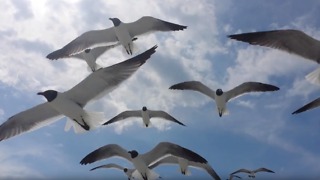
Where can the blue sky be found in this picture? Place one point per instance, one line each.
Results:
(259, 131)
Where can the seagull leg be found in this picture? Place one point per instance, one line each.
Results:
(85, 126)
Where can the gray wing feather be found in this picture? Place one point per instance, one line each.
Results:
(242, 170)
(105, 152)
(206, 167)
(164, 115)
(123, 115)
(111, 165)
(291, 41)
(195, 86)
(98, 51)
(149, 24)
(263, 170)
(249, 87)
(86, 40)
(106, 79)
(309, 106)
(28, 120)
(165, 149)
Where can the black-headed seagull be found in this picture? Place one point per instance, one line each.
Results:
(127, 171)
(145, 114)
(221, 98)
(71, 103)
(120, 32)
(252, 173)
(184, 164)
(142, 161)
(313, 104)
(289, 40)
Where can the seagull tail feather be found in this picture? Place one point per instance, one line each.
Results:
(314, 77)
(76, 127)
(94, 119)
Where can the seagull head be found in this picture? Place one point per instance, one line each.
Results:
(144, 108)
(133, 153)
(50, 95)
(87, 50)
(125, 170)
(116, 21)
(219, 92)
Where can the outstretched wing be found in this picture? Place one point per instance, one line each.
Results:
(195, 86)
(309, 106)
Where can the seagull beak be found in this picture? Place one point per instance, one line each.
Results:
(110, 19)
(40, 93)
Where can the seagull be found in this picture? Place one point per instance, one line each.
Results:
(91, 55)
(289, 40)
(145, 114)
(142, 161)
(232, 176)
(221, 98)
(184, 164)
(71, 103)
(309, 106)
(252, 173)
(120, 32)
(127, 171)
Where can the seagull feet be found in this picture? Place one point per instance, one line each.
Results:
(129, 51)
(85, 126)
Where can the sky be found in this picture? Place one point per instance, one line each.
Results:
(259, 131)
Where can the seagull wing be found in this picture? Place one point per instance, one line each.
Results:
(249, 87)
(195, 86)
(86, 40)
(164, 115)
(165, 149)
(232, 176)
(206, 167)
(263, 170)
(291, 41)
(166, 160)
(28, 120)
(111, 165)
(98, 51)
(309, 106)
(124, 115)
(106, 79)
(105, 152)
(148, 24)
(242, 170)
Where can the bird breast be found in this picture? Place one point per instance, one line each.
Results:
(145, 117)
(123, 35)
(140, 165)
(66, 107)
(221, 101)
(183, 164)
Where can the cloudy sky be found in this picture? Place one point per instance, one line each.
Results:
(258, 132)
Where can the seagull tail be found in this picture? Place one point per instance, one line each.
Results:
(314, 77)
(97, 67)
(153, 175)
(76, 127)
(132, 49)
(94, 119)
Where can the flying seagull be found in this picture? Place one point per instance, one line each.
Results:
(142, 161)
(184, 164)
(221, 98)
(127, 171)
(121, 32)
(145, 114)
(91, 55)
(309, 106)
(71, 103)
(252, 173)
(291, 41)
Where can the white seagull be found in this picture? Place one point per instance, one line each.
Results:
(289, 40)
(253, 172)
(71, 103)
(127, 171)
(142, 161)
(145, 114)
(121, 32)
(315, 103)
(91, 55)
(184, 164)
(221, 98)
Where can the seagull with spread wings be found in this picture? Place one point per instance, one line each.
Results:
(221, 98)
(142, 161)
(252, 174)
(120, 32)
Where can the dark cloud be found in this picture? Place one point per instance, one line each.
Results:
(23, 9)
